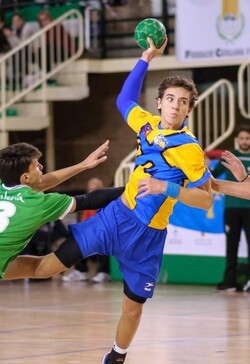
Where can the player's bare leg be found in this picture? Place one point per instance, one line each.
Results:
(27, 266)
(129, 322)
(126, 329)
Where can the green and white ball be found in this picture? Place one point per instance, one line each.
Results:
(152, 28)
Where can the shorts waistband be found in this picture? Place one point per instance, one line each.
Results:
(131, 213)
(126, 209)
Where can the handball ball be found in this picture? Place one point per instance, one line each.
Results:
(152, 28)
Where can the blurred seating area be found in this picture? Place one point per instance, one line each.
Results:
(38, 55)
(108, 24)
(42, 40)
(38, 70)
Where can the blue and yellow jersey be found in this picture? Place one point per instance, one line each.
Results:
(169, 155)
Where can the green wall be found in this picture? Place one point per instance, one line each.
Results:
(185, 269)
(30, 13)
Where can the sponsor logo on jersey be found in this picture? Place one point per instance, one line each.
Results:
(160, 141)
(4, 196)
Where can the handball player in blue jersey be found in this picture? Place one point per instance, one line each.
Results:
(133, 228)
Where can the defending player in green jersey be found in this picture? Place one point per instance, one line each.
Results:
(24, 208)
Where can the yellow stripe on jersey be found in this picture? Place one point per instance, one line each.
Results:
(188, 158)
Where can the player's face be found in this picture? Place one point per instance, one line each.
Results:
(35, 173)
(174, 107)
(243, 140)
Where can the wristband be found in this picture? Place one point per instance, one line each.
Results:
(172, 189)
(244, 178)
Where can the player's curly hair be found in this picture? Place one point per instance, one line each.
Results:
(179, 81)
(15, 160)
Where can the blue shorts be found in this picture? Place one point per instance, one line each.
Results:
(115, 230)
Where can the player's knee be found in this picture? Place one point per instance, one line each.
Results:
(48, 266)
(133, 311)
(42, 270)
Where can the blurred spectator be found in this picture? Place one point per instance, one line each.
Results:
(236, 214)
(60, 45)
(4, 44)
(19, 31)
(93, 15)
(46, 239)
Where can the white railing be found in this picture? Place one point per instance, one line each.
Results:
(38, 59)
(124, 169)
(244, 89)
(212, 121)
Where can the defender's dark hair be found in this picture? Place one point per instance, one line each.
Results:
(15, 160)
(179, 81)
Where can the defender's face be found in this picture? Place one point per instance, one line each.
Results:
(174, 107)
(35, 173)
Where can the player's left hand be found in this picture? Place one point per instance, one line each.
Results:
(150, 186)
(97, 157)
(234, 164)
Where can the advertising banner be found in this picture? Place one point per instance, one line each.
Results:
(194, 231)
(212, 30)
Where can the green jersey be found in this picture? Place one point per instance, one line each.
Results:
(22, 212)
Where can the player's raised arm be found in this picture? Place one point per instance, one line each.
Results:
(52, 179)
(130, 93)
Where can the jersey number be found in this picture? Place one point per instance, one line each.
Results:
(7, 209)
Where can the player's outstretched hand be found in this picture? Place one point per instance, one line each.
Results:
(54, 178)
(234, 164)
(97, 157)
(150, 186)
(152, 52)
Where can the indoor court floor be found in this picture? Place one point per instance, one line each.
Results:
(55, 322)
